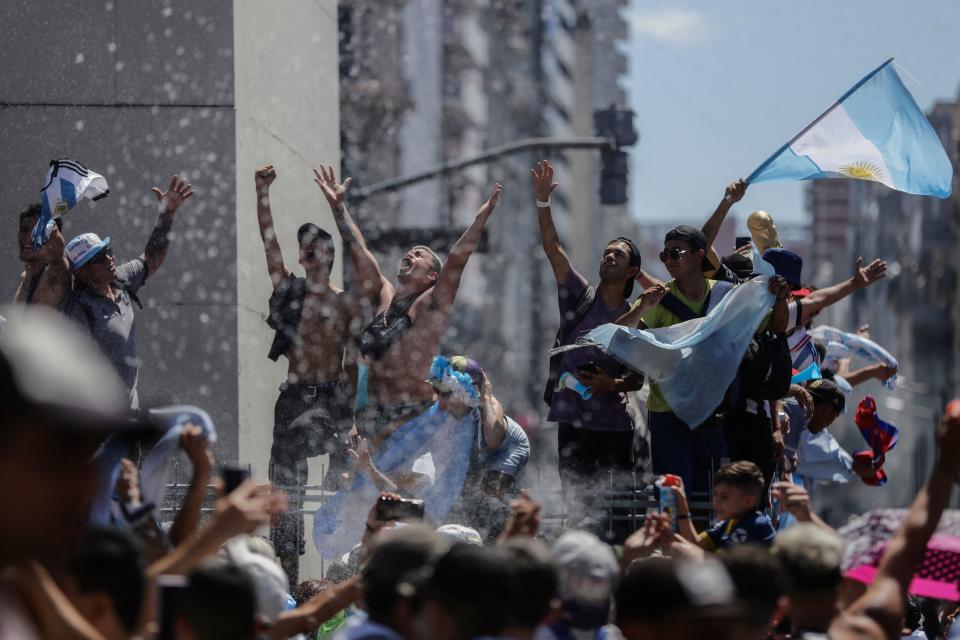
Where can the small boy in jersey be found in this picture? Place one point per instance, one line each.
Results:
(737, 496)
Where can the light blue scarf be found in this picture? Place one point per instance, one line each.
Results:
(693, 362)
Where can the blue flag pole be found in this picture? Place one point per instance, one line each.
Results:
(784, 147)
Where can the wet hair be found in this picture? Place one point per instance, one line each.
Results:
(635, 260)
(109, 561)
(537, 582)
(650, 592)
(220, 602)
(742, 474)
(395, 560)
(34, 210)
(435, 262)
(311, 232)
(472, 585)
(810, 557)
(757, 577)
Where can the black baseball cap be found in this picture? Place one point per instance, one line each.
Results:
(824, 390)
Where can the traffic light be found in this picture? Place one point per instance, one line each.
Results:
(615, 123)
(613, 177)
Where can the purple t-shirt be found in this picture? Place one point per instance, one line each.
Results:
(603, 411)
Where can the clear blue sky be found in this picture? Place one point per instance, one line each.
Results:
(718, 86)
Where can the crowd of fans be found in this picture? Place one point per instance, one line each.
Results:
(428, 530)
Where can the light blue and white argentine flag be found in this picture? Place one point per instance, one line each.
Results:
(874, 132)
(68, 182)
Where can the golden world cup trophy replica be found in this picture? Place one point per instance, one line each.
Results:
(763, 231)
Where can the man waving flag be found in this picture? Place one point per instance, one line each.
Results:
(68, 182)
(874, 132)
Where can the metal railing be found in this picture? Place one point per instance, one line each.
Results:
(617, 506)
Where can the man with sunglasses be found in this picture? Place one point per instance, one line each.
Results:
(104, 292)
(595, 434)
(690, 451)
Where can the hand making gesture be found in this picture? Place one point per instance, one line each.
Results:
(333, 191)
(171, 199)
(865, 276)
(543, 182)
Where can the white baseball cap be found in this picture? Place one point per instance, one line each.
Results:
(83, 247)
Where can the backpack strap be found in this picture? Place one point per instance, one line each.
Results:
(799, 312)
(673, 304)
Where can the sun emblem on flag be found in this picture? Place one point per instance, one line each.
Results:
(862, 171)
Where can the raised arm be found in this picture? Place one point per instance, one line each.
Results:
(780, 316)
(55, 281)
(187, 520)
(245, 510)
(400, 482)
(494, 422)
(543, 186)
(159, 240)
(878, 371)
(372, 281)
(711, 228)
(271, 246)
(885, 596)
(862, 277)
(647, 300)
(448, 281)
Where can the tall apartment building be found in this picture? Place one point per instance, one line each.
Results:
(428, 81)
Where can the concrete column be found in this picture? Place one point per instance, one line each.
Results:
(287, 106)
(139, 90)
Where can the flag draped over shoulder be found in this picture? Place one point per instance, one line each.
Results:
(68, 182)
(693, 362)
(874, 132)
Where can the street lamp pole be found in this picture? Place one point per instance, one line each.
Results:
(519, 146)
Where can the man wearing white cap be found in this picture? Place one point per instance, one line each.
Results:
(103, 292)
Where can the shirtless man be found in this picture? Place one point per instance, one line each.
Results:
(410, 317)
(314, 410)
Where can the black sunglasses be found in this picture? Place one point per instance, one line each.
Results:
(101, 256)
(440, 392)
(672, 254)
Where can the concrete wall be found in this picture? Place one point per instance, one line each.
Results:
(138, 91)
(286, 115)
